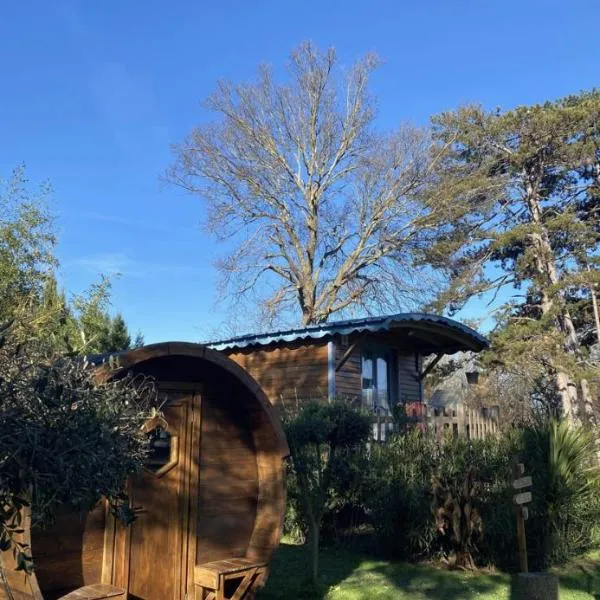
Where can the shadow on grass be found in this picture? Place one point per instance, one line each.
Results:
(583, 576)
(354, 576)
(350, 575)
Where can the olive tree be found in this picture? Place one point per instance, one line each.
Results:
(67, 439)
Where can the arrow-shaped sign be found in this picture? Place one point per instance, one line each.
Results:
(522, 498)
(522, 482)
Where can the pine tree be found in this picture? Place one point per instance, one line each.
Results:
(518, 191)
(118, 337)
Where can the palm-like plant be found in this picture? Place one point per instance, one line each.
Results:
(458, 517)
(564, 463)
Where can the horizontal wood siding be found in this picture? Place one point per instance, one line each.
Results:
(409, 389)
(293, 373)
(348, 379)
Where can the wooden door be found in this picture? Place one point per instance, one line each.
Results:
(156, 547)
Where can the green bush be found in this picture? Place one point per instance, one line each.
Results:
(398, 494)
(325, 440)
(417, 502)
(565, 511)
(426, 498)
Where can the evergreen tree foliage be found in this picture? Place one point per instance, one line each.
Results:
(519, 194)
(118, 338)
(28, 285)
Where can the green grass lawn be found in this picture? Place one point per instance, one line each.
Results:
(352, 576)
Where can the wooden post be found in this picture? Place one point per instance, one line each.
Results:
(520, 499)
(521, 540)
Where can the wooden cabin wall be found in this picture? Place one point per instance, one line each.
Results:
(68, 554)
(348, 379)
(297, 372)
(229, 485)
(409, 387)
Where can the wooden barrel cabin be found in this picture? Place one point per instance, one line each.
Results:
(212, 497)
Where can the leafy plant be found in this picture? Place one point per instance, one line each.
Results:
(66, 439)
(457, 516)
(322, 438)
(563, 461)
(398, 494)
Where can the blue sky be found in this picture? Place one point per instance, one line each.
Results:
(93, 94)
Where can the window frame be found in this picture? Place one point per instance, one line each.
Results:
(390, 354)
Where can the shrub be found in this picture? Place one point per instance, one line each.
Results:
(398, 494)
(65, 438)
(428, 498)
(431, 497)
(565, 511)
(323, 439)
(472, 498)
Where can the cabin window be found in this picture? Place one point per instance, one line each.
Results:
(162, 451)
(377, 380)
(472, 377)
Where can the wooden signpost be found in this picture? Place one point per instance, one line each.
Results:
(521, 482)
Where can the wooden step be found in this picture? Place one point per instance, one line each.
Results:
(211, 578)
(98, 591)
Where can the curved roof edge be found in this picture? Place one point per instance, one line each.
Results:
(200, 351)
(465, 337)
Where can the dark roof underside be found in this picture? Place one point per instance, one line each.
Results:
(420, 332)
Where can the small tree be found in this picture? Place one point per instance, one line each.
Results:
(66, 439)
(27, 242)
(118, 337)
(565, 512)
(322, 437)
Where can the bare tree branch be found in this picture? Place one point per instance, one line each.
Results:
(321, 206)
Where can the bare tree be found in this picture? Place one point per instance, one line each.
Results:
(319, 204)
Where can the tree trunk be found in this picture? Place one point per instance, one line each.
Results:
(546, 268)
(595, 309)
(464, 560)
(313, 541)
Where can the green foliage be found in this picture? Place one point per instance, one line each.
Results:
(399, 494)
(28, 287)
(26, 243)
(324, 439)
(565, 513)
(472, 498)
(467, 484)
(118, 335)
(66, 440)
(452, 498)
(516, 193)
(458, 517)
(449, 498)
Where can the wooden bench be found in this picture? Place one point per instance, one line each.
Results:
(98, 591)
(232, 579)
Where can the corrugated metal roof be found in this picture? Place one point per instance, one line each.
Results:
(472, 340)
